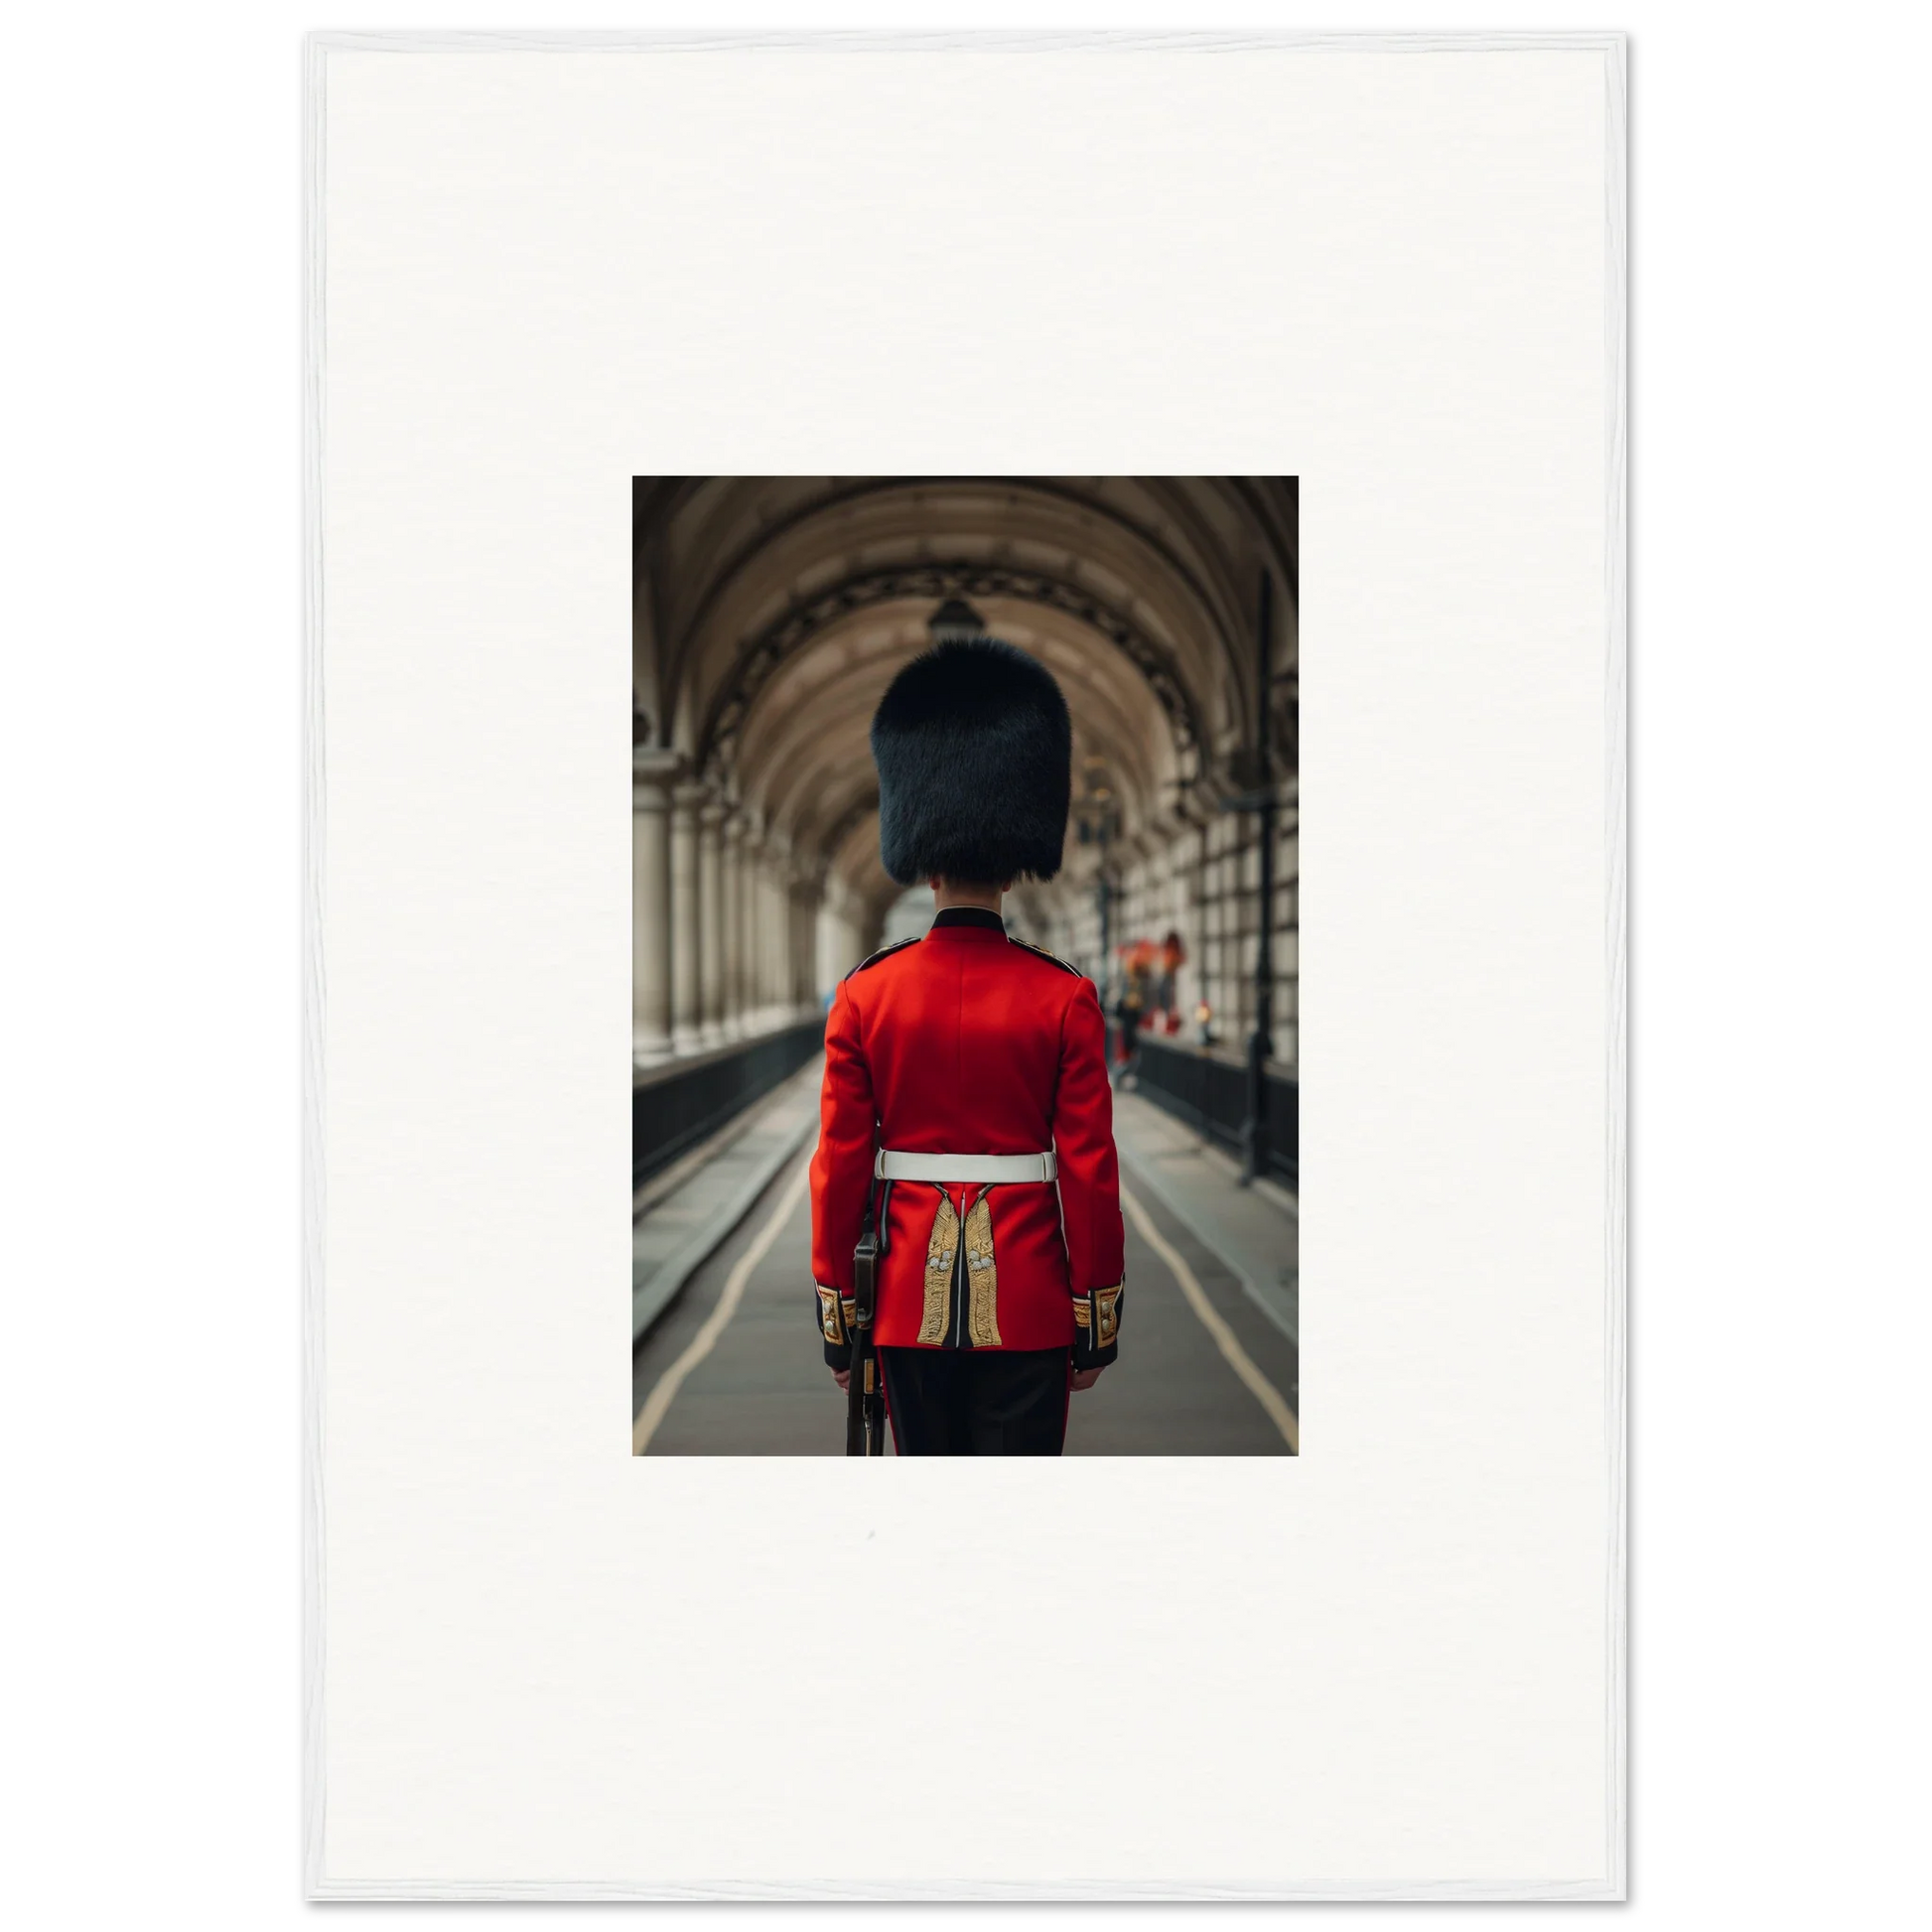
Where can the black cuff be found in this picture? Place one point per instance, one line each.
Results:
(1096, 1327)
(835, 1326)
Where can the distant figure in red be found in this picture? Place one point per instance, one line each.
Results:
(1135, 996)
(1172, 956)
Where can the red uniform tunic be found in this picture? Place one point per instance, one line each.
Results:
(968, 1042)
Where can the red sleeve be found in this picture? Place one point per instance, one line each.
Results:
(1083, 1137)
(842, 1167)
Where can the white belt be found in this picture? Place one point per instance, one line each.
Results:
(894, 1165)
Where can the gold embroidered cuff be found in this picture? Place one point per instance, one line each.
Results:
(834, 1314)
(1106, 1308)
(1096, 1324)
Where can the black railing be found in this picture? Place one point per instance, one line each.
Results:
(675, 1107)
(1209, 1091)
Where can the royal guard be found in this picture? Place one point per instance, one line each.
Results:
(966, 1114)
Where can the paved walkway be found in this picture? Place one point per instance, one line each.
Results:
(735, 1367)
(712, 1189)
(1256, 1231)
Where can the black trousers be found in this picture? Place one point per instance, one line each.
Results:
(977, 1400)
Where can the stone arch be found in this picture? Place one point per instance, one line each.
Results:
(795, 631)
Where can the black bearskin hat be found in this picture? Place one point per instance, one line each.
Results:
(974, 757)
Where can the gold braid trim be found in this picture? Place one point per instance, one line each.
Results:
(983, 1279)
(938, 1271)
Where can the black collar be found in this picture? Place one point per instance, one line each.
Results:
(970, 915)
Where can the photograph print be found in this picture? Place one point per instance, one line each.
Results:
(966, 930)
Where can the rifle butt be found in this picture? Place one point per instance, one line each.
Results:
(855, 1406)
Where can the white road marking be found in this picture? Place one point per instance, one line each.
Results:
(1238, 1360)
(701, 1343)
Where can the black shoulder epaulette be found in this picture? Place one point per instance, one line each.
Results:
(884, 952)
(1044, 954)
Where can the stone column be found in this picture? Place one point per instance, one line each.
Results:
(794, 891)
(837, 937)
(784, 945)
(730, 923)
(776, 913)
(757, 984)
(750, 886)
(824, 946)
(799, 973)
(687, 1015)
(734, 922)
(652, 922)
(751, 900)
(711, 921)
(757, 935)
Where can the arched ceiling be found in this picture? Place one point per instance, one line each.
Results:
(772, 611)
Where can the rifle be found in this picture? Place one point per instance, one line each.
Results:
(865, 1401)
